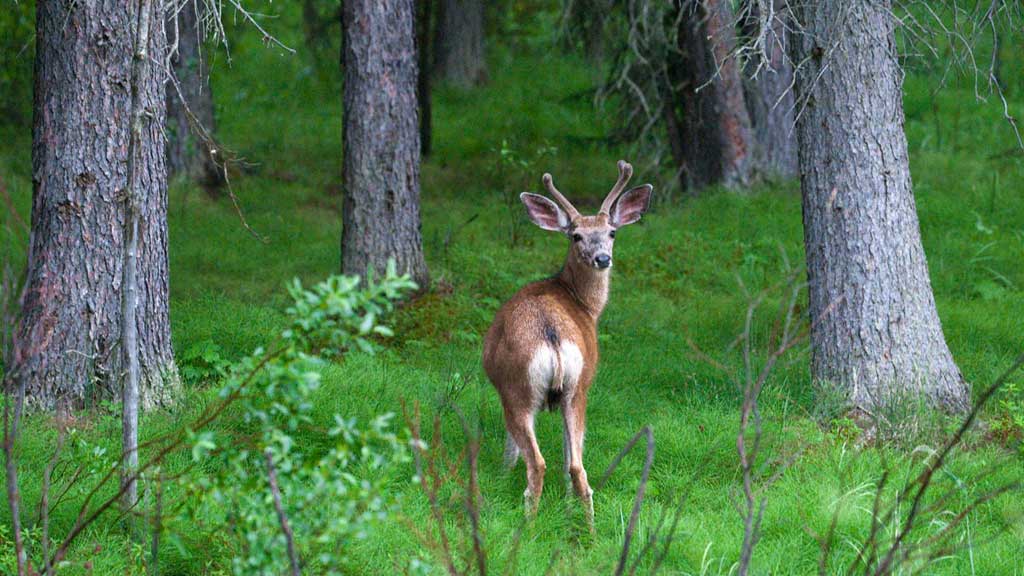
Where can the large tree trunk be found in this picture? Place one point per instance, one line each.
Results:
(381, 217)
(459, 44)
(769, 93)
(876, 333)
(717, 135)
(71, 321)
(187, 153)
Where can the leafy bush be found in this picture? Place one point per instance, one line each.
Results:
(202, 362)
(268, 479)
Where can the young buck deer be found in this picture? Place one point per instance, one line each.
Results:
(541, 350)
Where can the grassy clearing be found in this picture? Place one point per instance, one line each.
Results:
(675, 278)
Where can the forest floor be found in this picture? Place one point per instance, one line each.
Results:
(678, 276)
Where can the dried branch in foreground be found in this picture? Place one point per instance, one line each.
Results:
(880, 555)
(641, 489)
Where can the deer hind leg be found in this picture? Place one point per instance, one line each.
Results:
(512, 452)
(574, 415)
(521, 430)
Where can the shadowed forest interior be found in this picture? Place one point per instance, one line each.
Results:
(676, 343)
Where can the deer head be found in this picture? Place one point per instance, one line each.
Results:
(591, 237)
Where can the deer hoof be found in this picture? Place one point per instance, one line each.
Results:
(588, 510)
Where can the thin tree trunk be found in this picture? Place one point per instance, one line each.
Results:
(769, 93)
(71, 319)
(148, 16)
(717, 133)
(381, 217)
(876, 333)
(424, 15)
(459, 43)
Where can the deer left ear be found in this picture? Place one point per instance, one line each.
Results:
(631, 205)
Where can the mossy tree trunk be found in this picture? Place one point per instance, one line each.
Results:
(381, 213)
(875, 331)
(71, 317)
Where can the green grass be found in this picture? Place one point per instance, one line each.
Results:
(676, 278)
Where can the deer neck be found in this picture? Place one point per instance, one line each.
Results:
(587, 285)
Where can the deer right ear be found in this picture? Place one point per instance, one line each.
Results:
(544, 212)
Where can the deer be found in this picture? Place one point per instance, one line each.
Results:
(541, 349)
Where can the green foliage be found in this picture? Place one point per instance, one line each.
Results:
(511, 165)
(329, 496)
(675, 278)
(202, 362)
(17, 53)
(1008, 423)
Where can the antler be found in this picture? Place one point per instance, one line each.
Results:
(566, 205)
(625, 173)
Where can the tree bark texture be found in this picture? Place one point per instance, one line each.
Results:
(769, 93)
(187, 153)
(381, 215)
(875, 330)
(459, 44)
(717, 134)
(71, 317)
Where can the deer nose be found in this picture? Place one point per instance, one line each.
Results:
(603, 260)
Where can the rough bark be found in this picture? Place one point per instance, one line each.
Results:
(381, 216)
(187, 153)
(769, 94)
(717, 134)
(71, 317)
(459, 44)
(882, 340)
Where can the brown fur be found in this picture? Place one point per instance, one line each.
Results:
(546, 316)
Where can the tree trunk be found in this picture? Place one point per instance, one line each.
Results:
(769, 94)
(876, 334)
(424, 15)
(717, 133)
(187, 153)
(459, 44)
(381, 217)
(586, 21)
(71, 319)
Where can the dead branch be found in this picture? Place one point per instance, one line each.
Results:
(641, 490)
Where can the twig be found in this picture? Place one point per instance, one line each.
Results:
(641, 490)
(289, 537)
(44, 498)
(13, 382)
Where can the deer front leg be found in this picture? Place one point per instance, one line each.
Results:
(574, 415)
(521, 430)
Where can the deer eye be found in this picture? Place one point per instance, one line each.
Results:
(577, 237)
(611, 234)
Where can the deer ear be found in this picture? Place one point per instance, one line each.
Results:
(631, 205)
(544, 212)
